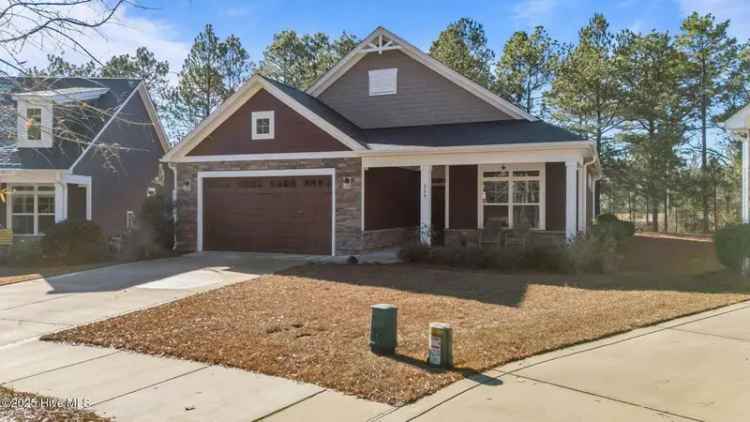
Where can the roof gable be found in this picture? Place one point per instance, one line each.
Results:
(293, 133)
(739, 120)
(309, 108)
(382, 40)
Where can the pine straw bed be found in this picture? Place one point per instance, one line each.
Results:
(27, 407)
(311, 323)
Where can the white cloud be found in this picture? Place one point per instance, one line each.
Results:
(532, 12)
(738, 11)
(124, 33)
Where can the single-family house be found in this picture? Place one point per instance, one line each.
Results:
(387, 145)
(76, 148)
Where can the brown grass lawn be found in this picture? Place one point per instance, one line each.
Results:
(311, 323)
(30, 407)
(11, 275)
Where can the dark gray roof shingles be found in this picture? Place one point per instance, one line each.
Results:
(448, 135)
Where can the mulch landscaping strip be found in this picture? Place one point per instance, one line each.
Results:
(26, 407)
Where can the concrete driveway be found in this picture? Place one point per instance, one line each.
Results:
(34, 308)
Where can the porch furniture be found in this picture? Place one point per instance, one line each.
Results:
(6, 238)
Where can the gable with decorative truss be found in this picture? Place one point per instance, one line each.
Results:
(387, 82)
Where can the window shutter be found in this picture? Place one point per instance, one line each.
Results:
(383, 81)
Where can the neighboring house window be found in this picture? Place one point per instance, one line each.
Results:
(263, 125)
(32, 209)
(34, 124)
(383, 82)
(513, 195)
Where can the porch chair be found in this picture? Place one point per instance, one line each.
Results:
(6, 241)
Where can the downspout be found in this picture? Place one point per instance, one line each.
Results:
(586, 165)
(174, 204)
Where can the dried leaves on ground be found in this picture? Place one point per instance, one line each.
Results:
(311, 323)
(26, 407)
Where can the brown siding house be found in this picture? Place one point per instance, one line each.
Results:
(390, 145)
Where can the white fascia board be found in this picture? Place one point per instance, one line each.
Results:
(265, 157)
(103, 129)
(410, 50)
(233, 103)
(31, 176)
(154, 116)
(739, 121)
(466, 156)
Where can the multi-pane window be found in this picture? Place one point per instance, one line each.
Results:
(34, 124)
(32, 209)
(262, 125)
(512, 198)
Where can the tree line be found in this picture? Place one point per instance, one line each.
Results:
(651, 101)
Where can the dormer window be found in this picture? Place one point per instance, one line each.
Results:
(34, 124)
(263, 125)
(35, 112)
(383, 82)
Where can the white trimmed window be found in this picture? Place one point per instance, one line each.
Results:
(34, 124)
(512, 195)
(263, 126)
(383, 82)
(32, 209)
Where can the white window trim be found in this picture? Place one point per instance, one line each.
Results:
(47, 118)
(202, 175)
(35, 214)
(510, 168)
(382, 74)
(271, 125)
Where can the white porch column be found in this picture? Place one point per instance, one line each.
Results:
(60, 198)
(745, 179)
(582, 178)
(90, 203)
(571, 199)
(425, 195)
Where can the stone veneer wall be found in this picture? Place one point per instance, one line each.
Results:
(348, 201)
(470, 237)
(380, 239)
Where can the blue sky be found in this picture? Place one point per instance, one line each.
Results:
(168, 27)
(255, 22)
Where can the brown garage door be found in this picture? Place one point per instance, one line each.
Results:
(268, 214)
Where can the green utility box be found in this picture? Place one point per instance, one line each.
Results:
(383, 329)
(440, 345)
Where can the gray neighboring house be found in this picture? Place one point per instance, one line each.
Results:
(77, 148)
(388, 145)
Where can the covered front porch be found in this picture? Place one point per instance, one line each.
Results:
(470, 198)
(37, 199)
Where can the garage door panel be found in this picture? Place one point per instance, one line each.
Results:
(270, 214)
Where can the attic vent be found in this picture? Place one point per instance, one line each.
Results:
(383, 81)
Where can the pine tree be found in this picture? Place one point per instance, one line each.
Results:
(212, 71)
(462, 46)
(527, 67)
(709, 51)
(585, 94)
